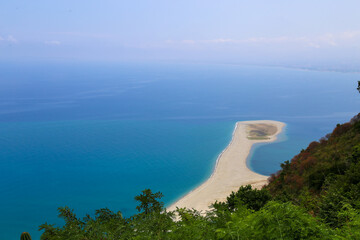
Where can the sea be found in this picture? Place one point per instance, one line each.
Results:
(94, 135)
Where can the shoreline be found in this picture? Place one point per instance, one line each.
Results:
(231, 169)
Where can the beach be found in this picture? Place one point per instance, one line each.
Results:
(231, 170)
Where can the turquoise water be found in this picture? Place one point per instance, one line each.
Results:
(94, 135)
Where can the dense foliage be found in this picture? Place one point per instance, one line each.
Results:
(316, 195)
(325, 177)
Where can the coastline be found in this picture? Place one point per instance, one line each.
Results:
(231, 169)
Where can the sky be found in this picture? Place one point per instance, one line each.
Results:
(273, 32)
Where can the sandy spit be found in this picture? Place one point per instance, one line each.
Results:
(231, 170)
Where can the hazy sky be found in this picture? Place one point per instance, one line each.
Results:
(253, 31)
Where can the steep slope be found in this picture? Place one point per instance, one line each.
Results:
(325, 176)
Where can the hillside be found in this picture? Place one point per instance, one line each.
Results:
(325, 177)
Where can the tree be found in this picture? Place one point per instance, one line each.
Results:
(148, 202)
(274, 221)
(153, 221)
(106, 225)
(251, 198)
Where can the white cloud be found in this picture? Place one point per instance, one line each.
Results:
(188, 41)
(83, 35)
(349, 38)
(314, 45)
(10, 38)
(53, 43)
(328, 38)
(267, 40)
(350, 34)
(222, 40)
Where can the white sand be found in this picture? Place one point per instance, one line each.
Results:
(231, 170)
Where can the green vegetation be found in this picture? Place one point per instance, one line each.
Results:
(324, 178)
(316, 195)
(25, 236)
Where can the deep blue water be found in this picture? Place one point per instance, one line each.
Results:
(92, 135)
